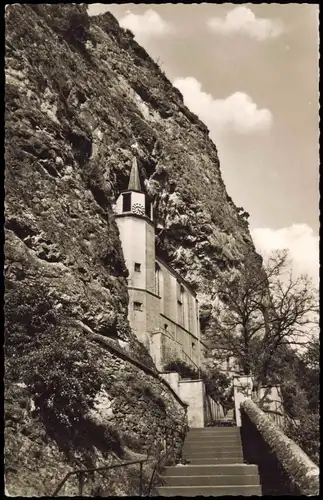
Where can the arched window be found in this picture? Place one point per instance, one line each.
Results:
(180, 304)
(157, 280)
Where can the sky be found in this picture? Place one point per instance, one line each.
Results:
(250, 72)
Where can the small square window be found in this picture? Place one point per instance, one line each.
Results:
(137, 267)
(137, 306)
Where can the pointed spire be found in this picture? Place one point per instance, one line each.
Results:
(134, 181)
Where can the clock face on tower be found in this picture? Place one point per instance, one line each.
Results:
(138, 208)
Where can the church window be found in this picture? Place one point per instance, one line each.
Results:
(137, 306)
(179, 293)
(126, 202)
(157, 280)
(137, 267)
(180, 300)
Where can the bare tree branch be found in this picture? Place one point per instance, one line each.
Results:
(264, 309)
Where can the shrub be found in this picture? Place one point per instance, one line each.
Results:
(184, 370)
(73, 24)
(149, 395)
(45, 352)
(307, 434)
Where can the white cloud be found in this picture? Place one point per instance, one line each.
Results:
(236, 112)
(301, 242)
(147, 25)
(242, 20)
(95, 9)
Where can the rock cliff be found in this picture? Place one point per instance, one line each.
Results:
(79, 92)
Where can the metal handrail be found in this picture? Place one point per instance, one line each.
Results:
(82, 472)
(157, 465)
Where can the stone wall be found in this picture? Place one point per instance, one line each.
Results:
(141, 408)
(134, 414)
(284, 468)
(192, 392)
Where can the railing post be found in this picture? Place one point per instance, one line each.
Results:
(173, 448)
(81, 483)
(140, 480)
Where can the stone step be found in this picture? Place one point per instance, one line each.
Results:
(228, 422)
(227, 418)
(206, 445)
(213, 443)
(214, 431)
(234, 479)
(211, 470)
(212, 449)
(215, 491)
(236, 452)
(211, 428)
(216, 461)
(214, 439)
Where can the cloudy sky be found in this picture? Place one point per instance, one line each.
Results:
(250, 72)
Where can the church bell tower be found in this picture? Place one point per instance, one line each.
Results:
(134, 217)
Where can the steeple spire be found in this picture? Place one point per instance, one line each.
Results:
(134, 181)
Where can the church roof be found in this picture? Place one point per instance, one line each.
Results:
(134, 180)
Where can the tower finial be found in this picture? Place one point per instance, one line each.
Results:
(134, 180)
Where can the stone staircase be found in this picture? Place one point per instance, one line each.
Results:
(215, 466)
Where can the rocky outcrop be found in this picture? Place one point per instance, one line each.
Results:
(79, 92)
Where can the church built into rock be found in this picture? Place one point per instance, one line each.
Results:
(163, 308)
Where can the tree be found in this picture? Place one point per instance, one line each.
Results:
(312, 354)
(262, 309)
(289, 311)
(301, 398)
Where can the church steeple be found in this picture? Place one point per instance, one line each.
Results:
(134, 180)
(133, 201)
